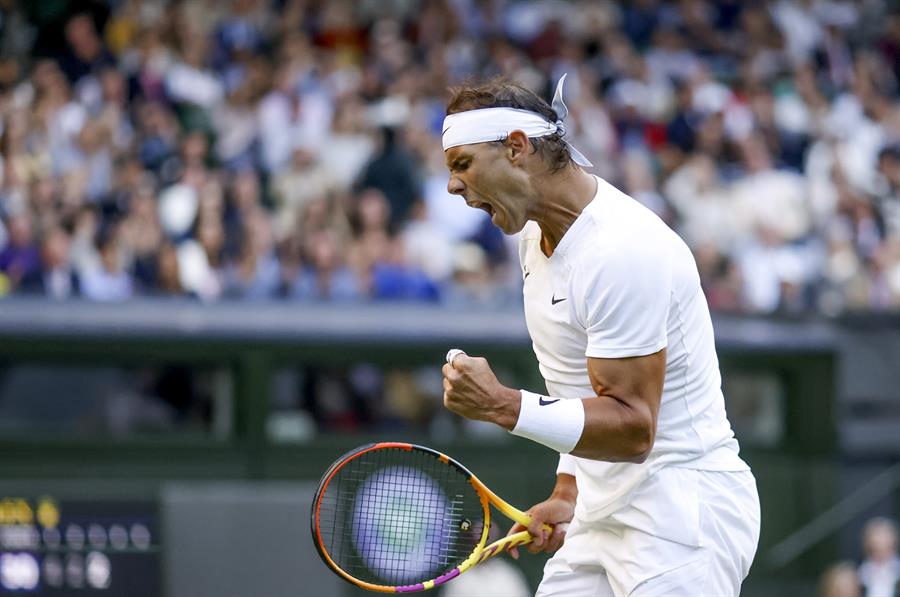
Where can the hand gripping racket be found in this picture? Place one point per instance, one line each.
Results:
(400, 518)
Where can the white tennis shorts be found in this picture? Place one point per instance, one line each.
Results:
(683, 533)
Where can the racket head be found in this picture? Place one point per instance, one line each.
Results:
(397, 517)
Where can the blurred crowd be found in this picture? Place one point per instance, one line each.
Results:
(262, 149)
(879, 573)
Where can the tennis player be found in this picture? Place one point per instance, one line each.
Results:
(651, 497)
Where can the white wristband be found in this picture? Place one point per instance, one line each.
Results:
(555, 422)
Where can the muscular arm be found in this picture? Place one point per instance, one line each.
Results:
(619, 421)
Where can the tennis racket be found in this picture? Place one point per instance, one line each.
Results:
(400, 518)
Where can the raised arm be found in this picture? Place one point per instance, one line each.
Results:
(619, 421)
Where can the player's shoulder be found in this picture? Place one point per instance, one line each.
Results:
(616, 211)
(621, 235)
(621, 220)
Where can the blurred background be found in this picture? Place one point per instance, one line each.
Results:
(227, 255)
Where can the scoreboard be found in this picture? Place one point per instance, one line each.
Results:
(60, 547)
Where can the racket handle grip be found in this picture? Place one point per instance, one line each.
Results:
(508, 542)
(501, 545)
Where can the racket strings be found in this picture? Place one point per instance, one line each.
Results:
(393, 516)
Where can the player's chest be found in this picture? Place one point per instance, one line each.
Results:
(550, 307)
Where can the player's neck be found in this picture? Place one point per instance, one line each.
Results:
(563, 196)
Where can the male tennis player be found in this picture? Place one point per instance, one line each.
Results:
(649, 475)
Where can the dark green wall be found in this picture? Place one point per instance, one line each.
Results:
(798, 477)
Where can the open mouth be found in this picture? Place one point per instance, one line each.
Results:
(482, 206)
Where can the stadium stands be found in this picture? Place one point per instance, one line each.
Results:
(290, 149)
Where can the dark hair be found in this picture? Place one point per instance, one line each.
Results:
(502, 93)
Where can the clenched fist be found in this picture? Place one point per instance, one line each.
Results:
(472, 390)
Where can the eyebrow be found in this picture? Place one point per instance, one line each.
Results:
(455, 161)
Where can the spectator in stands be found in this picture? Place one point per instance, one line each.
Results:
(255, 273)
(211, 238)
(880, 570)
(142, 234)
(108, 280)
(326, 276)
(471, 278)
(378, 255)
(158, 142)
(20, 257)
(840, 580)
(305, 180)
(86, 53)
(56, 277)
(168, 275)
(391, 171)
(350, 143)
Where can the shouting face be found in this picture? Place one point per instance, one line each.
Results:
(488, 176)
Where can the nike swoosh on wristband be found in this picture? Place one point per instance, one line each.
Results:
(554, 300)
(543, 402)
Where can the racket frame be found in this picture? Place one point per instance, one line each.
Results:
(481, 552)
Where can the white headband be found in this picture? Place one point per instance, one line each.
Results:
(495, 124)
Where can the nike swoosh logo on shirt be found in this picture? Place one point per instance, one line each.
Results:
(554, 300)
(543, 402)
